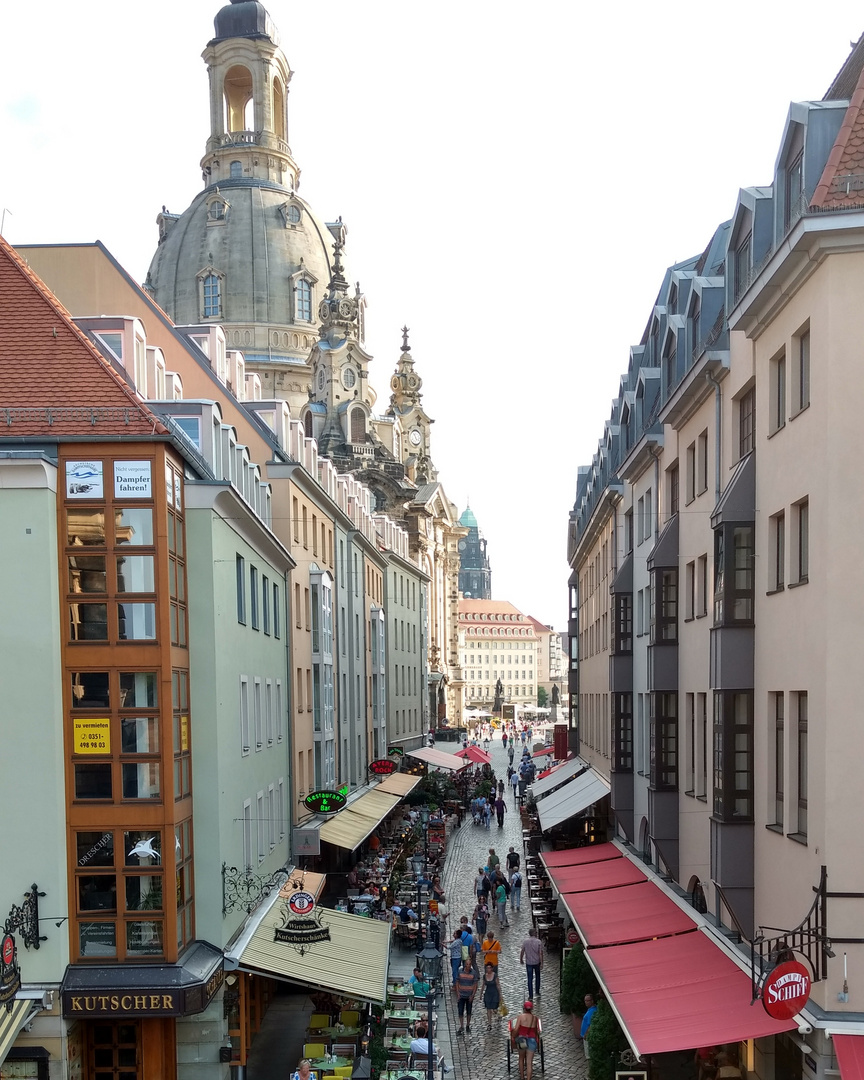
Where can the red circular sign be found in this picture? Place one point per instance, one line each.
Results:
(572, 937)
(382, 767)
(8, 949)
(786, 990)
(301, 903)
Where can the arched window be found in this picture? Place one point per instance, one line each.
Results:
(278, 109)
(212, 296)
(358, 425)
(236, 170)
(307, 425)
(304, 300)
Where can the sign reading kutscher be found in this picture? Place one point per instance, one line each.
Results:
(786, 990)
(132, 480)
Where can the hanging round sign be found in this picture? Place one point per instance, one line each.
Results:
(382, 767)
(301, 903)
(572, 937)
(325, 802)
(786, 990)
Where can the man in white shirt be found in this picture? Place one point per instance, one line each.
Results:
(420, 1045)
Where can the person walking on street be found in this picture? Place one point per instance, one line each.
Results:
(590, 1009)
(481, 884)
(500, 809)
(501, 902)
(455, 950)
(493, 862)
(481, 917)
(514, 780)
(531, 955)
(510, 754)
(466, 988)
(512, 860)
(525, 1026)
(491, 993)
(516, 893)
(491, 949)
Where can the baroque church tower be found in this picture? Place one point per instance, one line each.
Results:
(249, 253)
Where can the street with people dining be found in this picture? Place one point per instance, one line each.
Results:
(520, 962)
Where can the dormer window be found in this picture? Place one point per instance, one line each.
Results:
(743, 257)
(217, 210)
(291, 214)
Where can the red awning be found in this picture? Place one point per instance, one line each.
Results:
(588, 877)
(544, 751)
(475, 754)
(578, 856)
(626, 914)
(678, 992)
(850, 1056)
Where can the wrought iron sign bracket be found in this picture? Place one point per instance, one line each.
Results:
(809, 938)
(23, 919)
(243, 891)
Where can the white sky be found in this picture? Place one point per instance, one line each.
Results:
(515, 179)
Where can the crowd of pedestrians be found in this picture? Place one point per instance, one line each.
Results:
(486, 949)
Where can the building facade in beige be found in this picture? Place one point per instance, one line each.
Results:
(732, 490)
(498, 644)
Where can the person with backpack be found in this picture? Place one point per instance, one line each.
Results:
(481, 916)
(515, 891)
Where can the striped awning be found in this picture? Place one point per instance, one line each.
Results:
(353, 963)
(12, 1021)
(399, 783)
(571, 799)
(351, 826)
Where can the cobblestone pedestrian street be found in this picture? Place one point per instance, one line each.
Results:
(482, 1055)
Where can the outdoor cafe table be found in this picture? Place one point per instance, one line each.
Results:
(337, 1032)
(405, 1014)
(322, 1064)
(395, 1074)
(400, 990)
(398, 1042)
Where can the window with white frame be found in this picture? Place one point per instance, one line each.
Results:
(303, 300)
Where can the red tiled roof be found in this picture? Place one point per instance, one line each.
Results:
(842, 181)
(53, 380)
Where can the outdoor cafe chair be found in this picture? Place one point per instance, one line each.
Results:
(314, 1049)
(349, 1017)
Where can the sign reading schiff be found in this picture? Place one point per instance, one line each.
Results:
(786, 990)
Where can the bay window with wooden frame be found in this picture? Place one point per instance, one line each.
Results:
(126, 702)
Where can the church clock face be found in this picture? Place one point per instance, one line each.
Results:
(462, 545)
(415, 436)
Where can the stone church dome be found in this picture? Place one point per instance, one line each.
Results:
(248, 253)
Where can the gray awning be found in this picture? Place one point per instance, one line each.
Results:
(559, 775)
(571, 799)
(623, 580)
(665, 551)
(738, 501)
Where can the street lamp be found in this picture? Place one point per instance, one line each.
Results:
(429, 961)
(424, 822)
